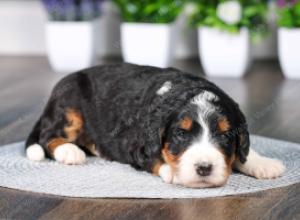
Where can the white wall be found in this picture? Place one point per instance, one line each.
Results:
(22, 32)
(21, 27)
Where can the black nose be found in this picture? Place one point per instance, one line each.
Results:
(204, 169)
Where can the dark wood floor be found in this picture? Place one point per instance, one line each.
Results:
(270, 103)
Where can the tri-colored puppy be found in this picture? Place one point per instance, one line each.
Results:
(178, 126)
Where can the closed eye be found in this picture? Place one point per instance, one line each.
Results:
(224, 134)
(180, 132)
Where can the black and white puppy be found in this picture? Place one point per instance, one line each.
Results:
(178, 126)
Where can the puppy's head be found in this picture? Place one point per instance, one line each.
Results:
(202, 141)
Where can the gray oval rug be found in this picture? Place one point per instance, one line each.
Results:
(101, 179)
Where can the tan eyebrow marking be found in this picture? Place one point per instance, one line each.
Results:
(186, 123)
(223, 124)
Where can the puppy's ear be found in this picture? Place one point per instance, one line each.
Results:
(242, 137)
(150, 151)
(155, 143)
(243, 143)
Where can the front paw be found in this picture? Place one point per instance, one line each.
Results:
(69, 154)
(165, 172)
(266, 168)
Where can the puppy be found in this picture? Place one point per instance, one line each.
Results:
(172, 124)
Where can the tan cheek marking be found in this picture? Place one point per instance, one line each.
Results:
(75, 124)
(223, 125)
(54, 143)
(169, 158)
(156, 167)
(229, 161)
(186, 123)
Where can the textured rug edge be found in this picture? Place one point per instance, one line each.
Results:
(291, 144)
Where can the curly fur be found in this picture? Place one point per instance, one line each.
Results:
(124, 117)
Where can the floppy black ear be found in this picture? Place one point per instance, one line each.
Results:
(154, 144)
(150, 152)
(242, 137)
(155, 137)
(242, 143)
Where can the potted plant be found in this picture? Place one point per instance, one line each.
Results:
(225, 29)
(70, 33)
(147, 31)
(289, 37)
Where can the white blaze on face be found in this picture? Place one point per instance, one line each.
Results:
(202, 150)
(203, 99)
(165, 88)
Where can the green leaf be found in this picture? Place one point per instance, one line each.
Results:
(150, 11)
(254, 14)
(250, 11)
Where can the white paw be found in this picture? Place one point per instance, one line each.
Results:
(265, 168)
(165, 172)
(69, 154)
(35, 152)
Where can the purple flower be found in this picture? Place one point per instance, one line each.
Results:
(69, 9)
(281, 3)
(87, 9)
(50, 5)
(55, 9)
(286, 3)
(293, 2)
(98, 7)
(72, 10)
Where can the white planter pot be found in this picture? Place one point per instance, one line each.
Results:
(224, 54)
(147, 44)
(70, 45)
(289, 48)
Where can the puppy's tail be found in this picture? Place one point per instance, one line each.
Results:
(34, 151)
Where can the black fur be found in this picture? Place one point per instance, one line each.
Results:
(125, 117)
